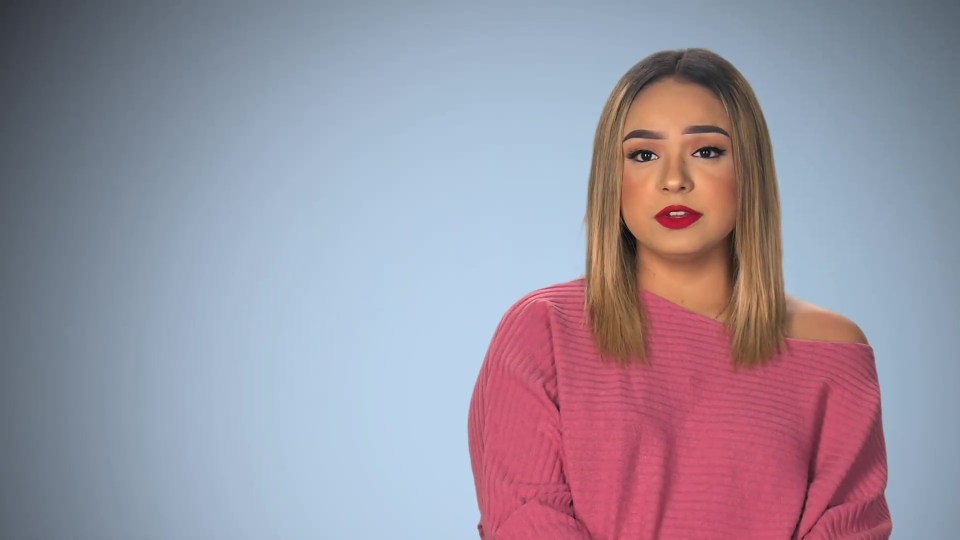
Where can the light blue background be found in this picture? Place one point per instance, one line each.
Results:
(253, 254)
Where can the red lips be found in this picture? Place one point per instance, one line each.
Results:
(676, 208)
(679, 222)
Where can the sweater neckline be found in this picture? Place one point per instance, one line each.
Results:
(648, 295)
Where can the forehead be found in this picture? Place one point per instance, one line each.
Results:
(670, 104)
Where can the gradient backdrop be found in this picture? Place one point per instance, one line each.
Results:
(253, 253)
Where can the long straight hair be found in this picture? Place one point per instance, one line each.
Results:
(618, 320)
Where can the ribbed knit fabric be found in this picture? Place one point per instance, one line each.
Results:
(564, 446)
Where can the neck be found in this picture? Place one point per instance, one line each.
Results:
(702, 284)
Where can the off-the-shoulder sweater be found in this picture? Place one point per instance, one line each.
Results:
(564, 446)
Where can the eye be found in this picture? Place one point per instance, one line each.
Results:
(707, 152)
(646, 156)
(709, 149)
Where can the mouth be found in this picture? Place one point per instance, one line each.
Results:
(677, 210)
(677, 216)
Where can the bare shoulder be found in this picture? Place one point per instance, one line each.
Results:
(806, 320)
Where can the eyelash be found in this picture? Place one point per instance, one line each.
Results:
(633, 155)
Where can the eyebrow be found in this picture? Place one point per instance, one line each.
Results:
(648, 134)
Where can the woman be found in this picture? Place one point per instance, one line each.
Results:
(675, 390)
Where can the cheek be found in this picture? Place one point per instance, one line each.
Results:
(727, 192)
(635, 206)
(635, 185)
(730, 180)
(631, 196)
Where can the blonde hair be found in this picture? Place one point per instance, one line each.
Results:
(757, 312)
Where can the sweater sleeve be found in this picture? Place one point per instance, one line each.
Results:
(514, 433)
(845, 497)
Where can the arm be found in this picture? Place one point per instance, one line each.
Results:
(514, 434)
(845, 498)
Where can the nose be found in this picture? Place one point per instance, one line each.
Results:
(676, 177)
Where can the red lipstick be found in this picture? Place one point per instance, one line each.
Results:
(678, 221)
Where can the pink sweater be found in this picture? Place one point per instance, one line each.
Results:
(563, 446)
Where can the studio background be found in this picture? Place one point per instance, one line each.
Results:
(253, 253)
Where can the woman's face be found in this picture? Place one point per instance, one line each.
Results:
(676, 151)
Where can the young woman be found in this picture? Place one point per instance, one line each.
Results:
(675, 390)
